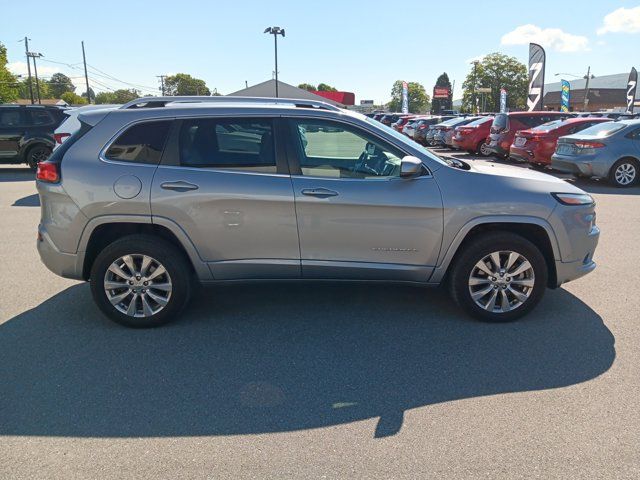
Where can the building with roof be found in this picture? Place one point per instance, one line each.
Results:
(45, 101)
(268, 89)
(608, 92)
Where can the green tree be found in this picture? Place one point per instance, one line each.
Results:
(119, 96)
(184, 84)
(440, 104)
(59, 84)
(323, 87)
(496, 71)
(73, 99)
(307, 86)
(92, 94)
(23, 89)
(419, 101)
(9, 86)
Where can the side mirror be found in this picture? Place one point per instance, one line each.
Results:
(410, 167)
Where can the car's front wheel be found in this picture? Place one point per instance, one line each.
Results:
(141, 281)
(624, 173)
(498, 277)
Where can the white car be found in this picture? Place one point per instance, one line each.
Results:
(71, 124)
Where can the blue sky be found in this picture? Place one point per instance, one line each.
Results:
(358, 46)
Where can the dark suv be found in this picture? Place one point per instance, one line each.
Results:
(26, 133)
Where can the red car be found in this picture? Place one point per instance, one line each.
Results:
(536, 145)
(472, 137)
(505, 126)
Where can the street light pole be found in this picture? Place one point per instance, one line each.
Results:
(275, 31)
(586, 89)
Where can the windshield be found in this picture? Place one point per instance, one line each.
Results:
(500, 122)
(546, 127)
(603, 129)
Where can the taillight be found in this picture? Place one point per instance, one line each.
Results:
(61, 137)
(422, 127)
(48, 172)
(585, 145)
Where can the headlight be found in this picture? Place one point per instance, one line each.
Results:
(574, 198)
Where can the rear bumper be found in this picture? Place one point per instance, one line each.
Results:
(67, 265)
(586, 167)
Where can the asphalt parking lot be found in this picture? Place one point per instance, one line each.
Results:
(320, 380)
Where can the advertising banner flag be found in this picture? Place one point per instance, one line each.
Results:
(536, 77)
(405, 97)
(503, 100)
(565, 95)
(631, 89)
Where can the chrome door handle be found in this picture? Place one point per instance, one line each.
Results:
(179, 186)
(319, 192)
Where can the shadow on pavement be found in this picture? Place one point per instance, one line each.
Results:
(280, 357)
(17, 174)
(29, 201)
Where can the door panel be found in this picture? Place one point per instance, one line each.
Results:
(388, 221)
(241, 220)
(356, 217)
(12, 130)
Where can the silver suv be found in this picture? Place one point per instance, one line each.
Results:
(146, 199)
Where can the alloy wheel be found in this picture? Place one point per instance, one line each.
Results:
(625, 174)
(137, 285)
(501, 281)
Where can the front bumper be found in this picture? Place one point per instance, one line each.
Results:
(583, 248)
(67, 265)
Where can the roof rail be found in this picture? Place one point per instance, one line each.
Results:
(155, 102)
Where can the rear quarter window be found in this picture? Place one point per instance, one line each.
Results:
(140, 143)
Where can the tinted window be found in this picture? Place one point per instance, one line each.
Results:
(141, 143)
(237, 144)
(479, 121)
(335, 150)
(546, 127)
(10, 117)
(40, 117)
(603, 129)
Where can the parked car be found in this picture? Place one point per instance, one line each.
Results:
(390, 118)
(608, 150)
(536, 145)
(448, 132)
(26, 133)
(505, 126)
(423, 133)
(410, 127)
(144, 202)
(472, 137)
(401, 122)
(611, 115)
(71, 124)
(441, 129)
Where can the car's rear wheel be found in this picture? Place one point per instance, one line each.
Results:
(624, 173)
(141, 281)
(498, 277)
(483, 149)
(37, 154)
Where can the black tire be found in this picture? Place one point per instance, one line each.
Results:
(629, 163)
(173, 260)
(37, 154)
(478, 248)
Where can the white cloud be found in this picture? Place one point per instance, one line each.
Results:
(554, 38)
(622, 20)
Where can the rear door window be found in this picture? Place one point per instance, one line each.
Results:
(39, 118)
(11, 117)
(141, 143)
(234, 144)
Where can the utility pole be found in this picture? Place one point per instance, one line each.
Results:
(161, 77)
(86, 77)
(26, 52)
(35, 55)
(586, 89)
